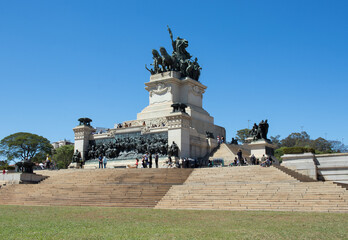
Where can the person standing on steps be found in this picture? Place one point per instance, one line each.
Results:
(146, 159)
(143, 162)
(100, 158)
(48, 161)
(253, 159)
(105, 160)
(156, 160)
(240, 156)
(150, 160)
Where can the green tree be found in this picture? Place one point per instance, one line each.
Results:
(63, 156)
(321, 145)
(276, 141)
(24, 145)
(242, 135)
(296, 140)
(338, 146)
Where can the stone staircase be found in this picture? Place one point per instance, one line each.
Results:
(253, 188)
(101, 187)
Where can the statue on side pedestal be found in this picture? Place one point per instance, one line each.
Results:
(173, 150)
(77, 156)
(259, 131)
(85, 121)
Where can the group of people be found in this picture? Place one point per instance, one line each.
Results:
(178, 163)
(47, 164)
(102, 161)
(220, 139)
(263, 162)
(146, 161)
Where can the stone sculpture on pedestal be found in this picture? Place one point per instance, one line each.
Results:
(179, 61)
(173, 150)
(77, 156)
(175, 114)
(259, 131)
(85, 121)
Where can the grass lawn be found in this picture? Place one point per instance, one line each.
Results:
(28, 222)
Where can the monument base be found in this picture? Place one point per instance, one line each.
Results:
(74, 165)
(261, 148)
(174, 116)
(94, 164)
(23, 178)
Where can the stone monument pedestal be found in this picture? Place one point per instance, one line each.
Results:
(261, 147)
(74, 165)
(83, 134)
(174, 114)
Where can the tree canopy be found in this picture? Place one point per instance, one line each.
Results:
(301, 139)
(63, 156)
(23, 145)
(242, 134)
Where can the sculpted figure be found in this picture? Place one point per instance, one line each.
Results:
(85, 121)
(157, 60)
(190, 70)
(150, 70)
(264, 129)
(180, 60)
(182, 107)
(76, 156)
(209, 134)
(253, 131)
(259, 131)
(196, 70)
(174, 150)
(167, 61)
(234, 141)
(175, 107)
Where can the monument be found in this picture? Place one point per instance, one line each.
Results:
(175, 114)
(258, 142)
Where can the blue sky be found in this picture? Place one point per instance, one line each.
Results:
(281, 60)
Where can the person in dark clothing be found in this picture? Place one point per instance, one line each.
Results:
(187, 163)
(156, 160)
(100, 158)
(144, 162)
(240, 157)
(253, 159)
(150, 160)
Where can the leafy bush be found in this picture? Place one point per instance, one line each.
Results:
(278, 153)
(297, 150)
(7, 168)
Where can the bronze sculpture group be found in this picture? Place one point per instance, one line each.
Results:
(85, 121)
(179, 61)
(259, 131)
(133, 146)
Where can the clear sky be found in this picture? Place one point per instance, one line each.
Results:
(285, 61)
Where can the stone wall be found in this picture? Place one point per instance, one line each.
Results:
(333, 167)
(327, 167)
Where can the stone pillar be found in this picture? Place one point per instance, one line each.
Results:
(179, 132)
(82, 136)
